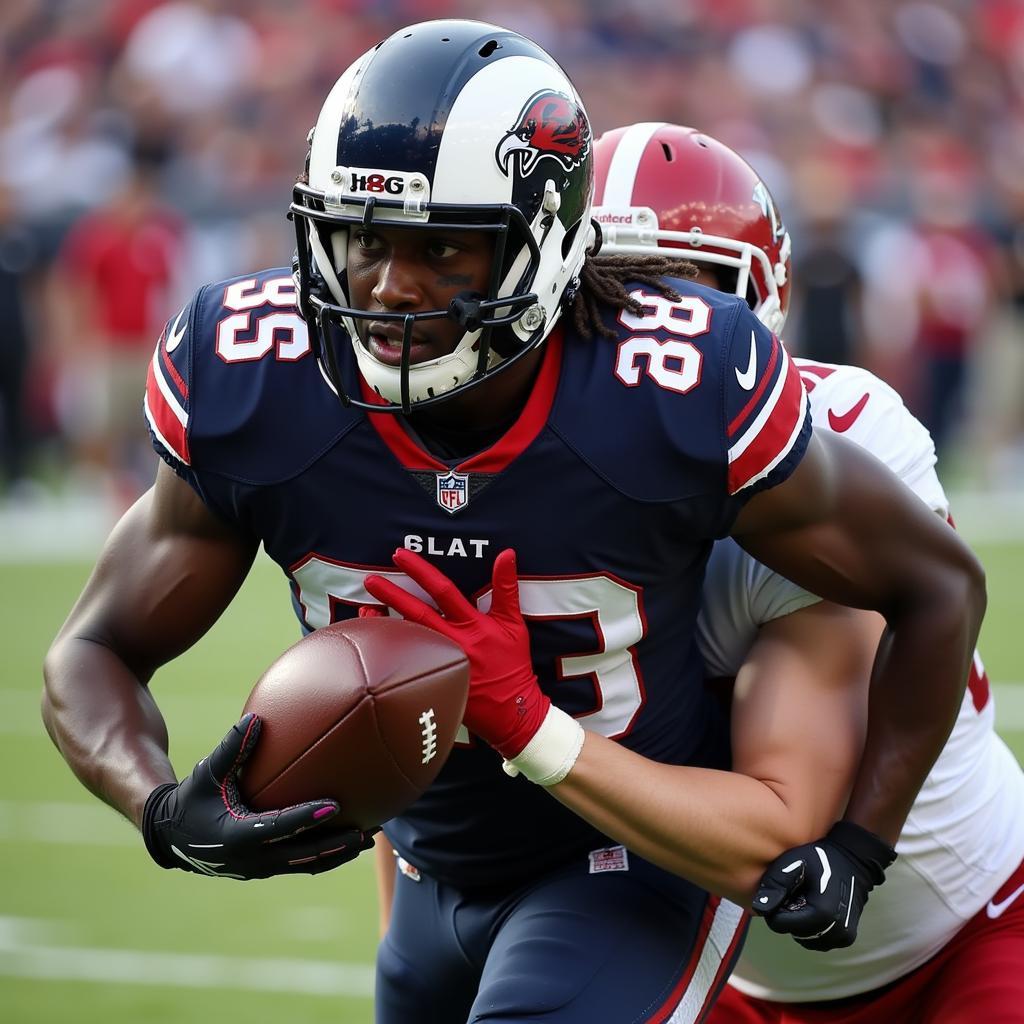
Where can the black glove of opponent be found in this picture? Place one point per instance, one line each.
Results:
(816, 892)
(200, 824)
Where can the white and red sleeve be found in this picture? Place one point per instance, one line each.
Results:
(852, 401)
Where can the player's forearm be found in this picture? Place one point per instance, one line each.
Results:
(916, 693)
(167, 571)
(105, 723)
(719, 829)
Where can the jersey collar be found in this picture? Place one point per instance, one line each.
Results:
(500, 454)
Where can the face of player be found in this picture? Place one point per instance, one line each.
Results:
(398, 270)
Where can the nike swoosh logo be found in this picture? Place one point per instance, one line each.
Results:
(205, 867)
(994, 910)
(746, 379)
(174, 335)
(841, 422)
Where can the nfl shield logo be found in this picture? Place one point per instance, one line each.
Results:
(452, 491)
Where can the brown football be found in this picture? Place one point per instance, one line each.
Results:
(363, 711)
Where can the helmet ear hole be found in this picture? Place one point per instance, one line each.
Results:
(722, 279)
(753, 299)
(727, 279)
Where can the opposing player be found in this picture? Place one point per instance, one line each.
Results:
(419, 388)
(944, 939)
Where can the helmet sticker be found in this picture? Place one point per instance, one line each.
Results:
(549, 125)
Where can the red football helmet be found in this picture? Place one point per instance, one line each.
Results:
(665, 186)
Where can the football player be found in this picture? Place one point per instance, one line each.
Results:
(453, 378)
(951, 902)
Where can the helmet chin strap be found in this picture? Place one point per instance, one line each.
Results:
(330, 269)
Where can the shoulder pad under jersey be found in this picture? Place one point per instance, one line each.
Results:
(234, 389)
(694, 397)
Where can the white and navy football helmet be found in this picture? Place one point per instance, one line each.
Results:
(460, 125)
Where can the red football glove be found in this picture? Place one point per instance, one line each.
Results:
(506, 706)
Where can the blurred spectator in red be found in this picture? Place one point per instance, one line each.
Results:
(838, 105)
(934, 277)
(953, 280)
(114, 288)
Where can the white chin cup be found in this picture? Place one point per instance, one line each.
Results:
(427, 379)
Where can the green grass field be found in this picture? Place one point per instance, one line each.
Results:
(91, 931)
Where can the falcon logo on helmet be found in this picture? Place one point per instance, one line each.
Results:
(549, 125)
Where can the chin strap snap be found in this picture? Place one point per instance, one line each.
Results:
(464, 309)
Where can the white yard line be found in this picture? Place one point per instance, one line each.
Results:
(77, 824)
(208, 717)
(90, 822)
(989, 518)
(75, 524)
(37, 949)
(23, 954)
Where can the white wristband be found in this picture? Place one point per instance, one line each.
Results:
(552, 752)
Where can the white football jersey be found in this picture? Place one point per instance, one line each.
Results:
(965, 833)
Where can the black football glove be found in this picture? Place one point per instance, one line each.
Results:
(816, 892)
(200, 824)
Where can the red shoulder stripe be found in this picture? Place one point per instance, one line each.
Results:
(165, 413)
(769, 439)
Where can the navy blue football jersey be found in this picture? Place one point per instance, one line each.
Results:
(630, 457)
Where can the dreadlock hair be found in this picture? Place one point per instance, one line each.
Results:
(603, 281)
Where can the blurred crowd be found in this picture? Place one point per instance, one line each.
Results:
(147, 146)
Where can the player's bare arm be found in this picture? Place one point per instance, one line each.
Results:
(843, 526)
(815, 891)
(807, 676)
(797, 721)
(167, 571)
(165, 575)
